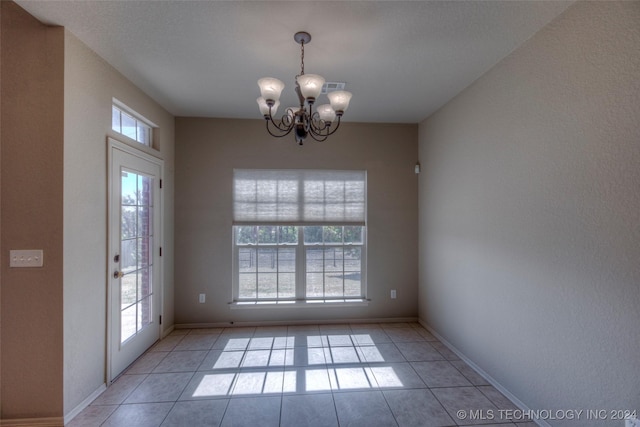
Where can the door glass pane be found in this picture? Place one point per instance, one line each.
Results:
(128, 295)
(129, 188)
(145, 190)
(129, 224)
(136, 252)
(144, 221)
(144, 251)
(128, 323)
(144, 282)
(144, 312)
(129, 255)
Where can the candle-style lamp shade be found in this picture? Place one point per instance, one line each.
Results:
(270, 88)
(339, 101)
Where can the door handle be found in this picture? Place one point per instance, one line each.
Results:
(117, 274)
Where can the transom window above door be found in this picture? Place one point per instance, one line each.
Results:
(299, 235)
(130, 124)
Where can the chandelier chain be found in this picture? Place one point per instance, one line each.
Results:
(302, 58)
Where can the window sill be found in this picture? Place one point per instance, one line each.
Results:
(239, 305)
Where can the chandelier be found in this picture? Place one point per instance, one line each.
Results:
(302, 120)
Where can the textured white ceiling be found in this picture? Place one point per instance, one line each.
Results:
(402, 60)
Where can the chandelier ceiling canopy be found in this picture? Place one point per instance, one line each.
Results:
(303, 120)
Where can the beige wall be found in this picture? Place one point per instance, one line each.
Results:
(530, 215)
(32, 215)
(90, 85)
(56, 116)
(207, 151)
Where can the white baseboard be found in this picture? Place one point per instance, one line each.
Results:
(293, 322)
(168, 331)
(483, 374)
(86, 402)
(33, 422)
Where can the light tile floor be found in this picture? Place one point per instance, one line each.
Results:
(383, 374)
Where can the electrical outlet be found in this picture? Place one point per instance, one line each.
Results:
(25, 258)
(393, 294)
(632, 422)
(201, 298)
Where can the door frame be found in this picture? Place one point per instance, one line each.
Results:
(114, 144)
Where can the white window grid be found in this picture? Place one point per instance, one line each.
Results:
(301, 274)
(127, 123)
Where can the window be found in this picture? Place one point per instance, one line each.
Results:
(299, 235)
(130, 125)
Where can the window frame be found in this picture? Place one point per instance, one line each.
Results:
(138, 120)
(300, 198)
(300, 267)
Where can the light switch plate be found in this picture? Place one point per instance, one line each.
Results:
(25, 258)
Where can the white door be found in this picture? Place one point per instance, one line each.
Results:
(134, 251)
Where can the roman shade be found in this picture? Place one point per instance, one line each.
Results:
(299, 197)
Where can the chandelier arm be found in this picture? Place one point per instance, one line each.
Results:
(317, 125)
(277, 126)
(317, 132)
(323, 136)
(332, 131)
(319, 137)
(284, 132)
(285, 124)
